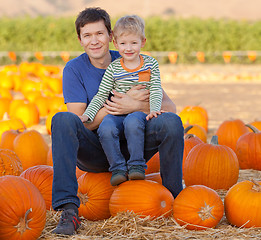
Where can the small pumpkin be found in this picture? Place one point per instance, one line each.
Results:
(143, 197)
(194, 115)
(229, 132)
(31, 148)
(197, 130)
(242, 204)
(248, 149)
(8, 137)
(94, 192)
(42, 177)
(198, 207)
(210, 164)
(22, 209)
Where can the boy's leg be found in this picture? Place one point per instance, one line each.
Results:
(165, 134)
(110, 132)
(71, 140)
(134, 130)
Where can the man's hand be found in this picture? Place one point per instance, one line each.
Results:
(153, 114)
(139, 92)
(84, 118)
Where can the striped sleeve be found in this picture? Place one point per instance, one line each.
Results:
(155, 87)
(103, 93)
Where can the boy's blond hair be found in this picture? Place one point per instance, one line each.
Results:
(129, 24)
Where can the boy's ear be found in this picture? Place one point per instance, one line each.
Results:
(143, 42)
(80, 41)
(115, 43)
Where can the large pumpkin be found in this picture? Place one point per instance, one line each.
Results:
(248, 149)
(243, 204)
(215, 166)
(8, 137)
(22, 209)
(42, 177)
(229, 132)
(143, 197)
(94, 192)
(198, 207)
(156, 177)
(31, 148)
(10, 163)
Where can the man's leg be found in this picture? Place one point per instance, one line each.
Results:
(71, 140)
(165, 134)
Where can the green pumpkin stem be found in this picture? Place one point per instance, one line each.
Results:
(214, 140)
(188, 128)
(253, 128)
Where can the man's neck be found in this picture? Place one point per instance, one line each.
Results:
(102, 63)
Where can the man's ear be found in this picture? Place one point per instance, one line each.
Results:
(143, 42)
(79, 39)
(111, 36)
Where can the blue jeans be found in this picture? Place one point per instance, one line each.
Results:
(115, 127)
(74, 145)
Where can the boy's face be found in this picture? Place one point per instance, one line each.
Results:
(95, 39)
(129, 45)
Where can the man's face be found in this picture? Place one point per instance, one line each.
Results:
(95, 39)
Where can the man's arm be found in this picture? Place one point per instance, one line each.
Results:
(79, 108)
(136, 99)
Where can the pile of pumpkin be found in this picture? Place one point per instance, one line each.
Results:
(26, 166)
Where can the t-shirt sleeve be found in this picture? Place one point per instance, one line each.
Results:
(73, 87)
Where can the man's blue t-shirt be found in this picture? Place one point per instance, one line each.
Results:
(81, 79)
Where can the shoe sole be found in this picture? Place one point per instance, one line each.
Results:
(118, 180)
(136, 176)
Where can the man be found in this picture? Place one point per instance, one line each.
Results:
(77, 144)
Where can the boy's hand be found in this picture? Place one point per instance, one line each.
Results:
(84, 118)
(154, 114)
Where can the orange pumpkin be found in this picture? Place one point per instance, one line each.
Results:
(242, 204)
(42, 177)
(8, 137)
(153, 165)
(14, 124)
(194, 115)
(257, 124)
(28, 113)
(22, 209)
(229, 132)
(197, 130)
(248, 149)
(154, 177)
(4, 106)
(215, 166)
(79, 172)
(94, 192)
(190, 141)
(143, 197)
(198, 207)
(10, 163)
(31, 148)
(49, 160)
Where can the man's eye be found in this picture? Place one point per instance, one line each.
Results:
(100, 33)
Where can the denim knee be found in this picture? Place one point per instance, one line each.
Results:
(107, 128)
(134, 120)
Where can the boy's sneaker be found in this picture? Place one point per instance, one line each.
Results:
(118, 177)
(136, 172)
(68, 224)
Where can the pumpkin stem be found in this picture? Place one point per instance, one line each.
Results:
(205, 212)
(256, 186)
(187, 136)
(83, 198)
(253, 128)
(188, 128)
(214, 140)
(22, 226)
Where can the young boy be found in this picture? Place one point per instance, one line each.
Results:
(132, 68)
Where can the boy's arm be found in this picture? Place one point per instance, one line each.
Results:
(79, 108)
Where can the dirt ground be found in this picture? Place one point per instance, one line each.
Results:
(225, 91)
